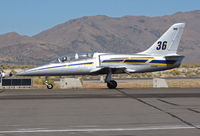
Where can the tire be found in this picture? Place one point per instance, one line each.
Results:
(49, 86)
(112, 84)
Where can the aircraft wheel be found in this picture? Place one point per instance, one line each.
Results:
(49, 86)
(112, 84)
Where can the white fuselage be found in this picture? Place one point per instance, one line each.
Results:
(131, 63)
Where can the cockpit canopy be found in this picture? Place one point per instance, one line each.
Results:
(73, 57)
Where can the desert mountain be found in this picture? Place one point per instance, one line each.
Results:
(17, 49)
(128, 34)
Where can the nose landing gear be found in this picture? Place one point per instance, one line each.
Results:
(49, 85)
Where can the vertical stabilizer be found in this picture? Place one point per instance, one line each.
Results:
(168, 43)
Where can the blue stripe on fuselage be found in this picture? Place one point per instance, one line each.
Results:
(163, 61)
(108, 61)
(81, 64)
(66, 65)
(136, 60)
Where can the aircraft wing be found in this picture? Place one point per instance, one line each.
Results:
(105, 70)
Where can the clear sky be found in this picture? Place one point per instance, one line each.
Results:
(29, 17)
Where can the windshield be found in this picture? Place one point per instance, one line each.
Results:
(73, 57)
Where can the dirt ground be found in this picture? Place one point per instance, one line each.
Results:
(190, 83)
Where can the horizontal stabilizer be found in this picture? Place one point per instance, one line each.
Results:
(175, 57)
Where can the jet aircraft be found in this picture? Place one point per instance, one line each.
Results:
(162, 55)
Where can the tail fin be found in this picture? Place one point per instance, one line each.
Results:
(168, 43)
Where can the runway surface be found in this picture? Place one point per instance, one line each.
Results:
(99, 112)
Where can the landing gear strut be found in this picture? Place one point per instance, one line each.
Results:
(49, 85)
(111, 84)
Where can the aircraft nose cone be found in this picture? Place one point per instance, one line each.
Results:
(37, 71)
(22, 73)
(27, 72)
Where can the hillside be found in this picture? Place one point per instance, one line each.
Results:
(17, 49)
(128, 34)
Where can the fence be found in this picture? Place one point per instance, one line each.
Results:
(16, 82)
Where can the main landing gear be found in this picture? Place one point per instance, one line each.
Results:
(49, 85)
(111, 84)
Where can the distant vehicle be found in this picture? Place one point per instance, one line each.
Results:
(160, 56)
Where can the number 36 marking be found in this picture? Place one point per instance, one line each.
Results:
(161, 45)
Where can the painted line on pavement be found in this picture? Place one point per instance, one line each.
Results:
(35, 130)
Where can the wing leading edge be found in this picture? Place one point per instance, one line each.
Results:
(105, 70)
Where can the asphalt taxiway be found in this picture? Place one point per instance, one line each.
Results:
(97, 112)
